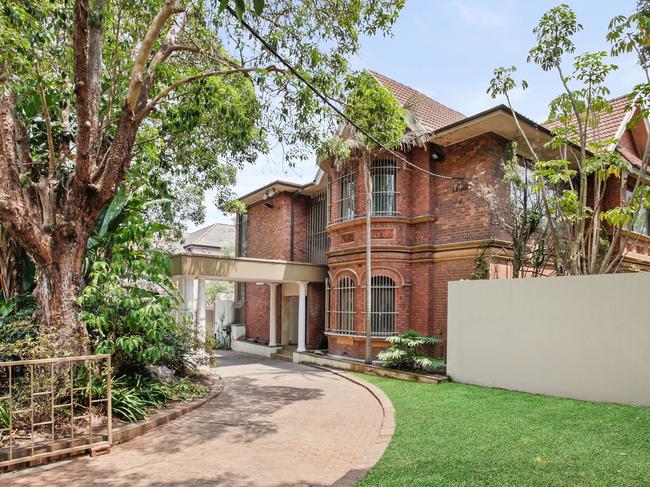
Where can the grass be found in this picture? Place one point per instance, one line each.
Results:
(454, 434)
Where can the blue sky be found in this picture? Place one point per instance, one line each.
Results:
(448, 48)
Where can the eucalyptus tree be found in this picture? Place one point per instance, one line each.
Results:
(585, 236)
(382, 121)
(89, 86)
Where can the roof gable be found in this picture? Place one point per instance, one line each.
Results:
(430, 113)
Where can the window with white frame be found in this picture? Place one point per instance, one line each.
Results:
(384, 187)
(642, 222)
(348, 194)
(382, 311)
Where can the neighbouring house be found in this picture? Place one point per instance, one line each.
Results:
(301, 248)
(215, 239)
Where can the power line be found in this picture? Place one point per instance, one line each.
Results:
(328, 102)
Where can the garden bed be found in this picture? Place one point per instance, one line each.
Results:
(353, 366)
(122, 431)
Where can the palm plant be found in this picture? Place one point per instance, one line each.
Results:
(406, 352)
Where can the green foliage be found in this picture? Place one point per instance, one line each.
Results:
(4, 414)
(573, 185)
(129, 302)
(373, 107)
(133, 397)
(406, 353)
(235, 116)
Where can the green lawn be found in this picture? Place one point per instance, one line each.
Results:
(453, 434)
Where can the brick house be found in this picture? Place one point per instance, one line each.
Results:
(426, 231)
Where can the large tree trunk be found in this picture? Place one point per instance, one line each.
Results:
(59, 285)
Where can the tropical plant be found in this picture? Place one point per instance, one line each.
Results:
(133, 397)
(406, 352)
(90, 88)
(129, 302)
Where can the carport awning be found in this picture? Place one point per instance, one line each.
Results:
(245, 269)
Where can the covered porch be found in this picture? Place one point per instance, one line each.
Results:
(192, 271)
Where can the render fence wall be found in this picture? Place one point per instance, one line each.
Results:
(584, 338)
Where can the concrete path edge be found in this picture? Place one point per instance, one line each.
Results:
(385, 431)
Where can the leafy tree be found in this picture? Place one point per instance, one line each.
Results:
(90, 87)
(586, 237)
(374, 108)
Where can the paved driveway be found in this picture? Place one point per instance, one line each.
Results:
(275, 424)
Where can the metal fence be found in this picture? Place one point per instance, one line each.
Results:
(54, 406)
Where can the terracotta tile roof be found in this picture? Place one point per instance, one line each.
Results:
(431, 114)
(609, 121)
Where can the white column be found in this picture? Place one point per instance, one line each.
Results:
(189, 304)
(200, 311)
(273, 339)
(302, 316)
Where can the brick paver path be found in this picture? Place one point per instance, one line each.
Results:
(275, 424)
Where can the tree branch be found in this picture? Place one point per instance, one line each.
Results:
(139, 65)
(82, 170)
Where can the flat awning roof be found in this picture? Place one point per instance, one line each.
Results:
(245, 269)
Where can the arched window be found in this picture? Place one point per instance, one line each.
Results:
(382, 314)
(345, 306)
(384, 187)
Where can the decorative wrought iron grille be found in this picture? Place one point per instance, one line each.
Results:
(384, 187)
(382, 313)
(318, 241)
(54, 406)
(343, 307)
(347, 201)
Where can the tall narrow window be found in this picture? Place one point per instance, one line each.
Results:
(384, 187)
(642, 223)
(242, 235)
(382, 311)
(317, 238)
(348, 194)
(344, 319)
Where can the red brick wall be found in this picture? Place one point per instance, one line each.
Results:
(432, 212)
(316, 316)
(460, 214)
(257, 312)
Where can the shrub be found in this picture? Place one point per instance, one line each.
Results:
(134, 396)
(406, 352)
(130, 300)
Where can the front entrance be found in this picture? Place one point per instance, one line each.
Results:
(289, 320)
